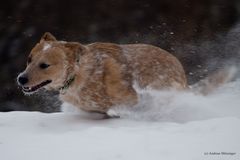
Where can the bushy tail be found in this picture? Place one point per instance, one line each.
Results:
(212, 82)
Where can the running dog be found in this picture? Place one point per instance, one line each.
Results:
(98, 76)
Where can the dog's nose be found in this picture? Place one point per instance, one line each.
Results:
(22, 80)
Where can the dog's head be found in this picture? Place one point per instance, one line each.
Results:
(49, 63)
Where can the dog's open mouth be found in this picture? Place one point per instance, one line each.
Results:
(35, 88)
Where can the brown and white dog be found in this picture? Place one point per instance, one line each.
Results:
(98, 76)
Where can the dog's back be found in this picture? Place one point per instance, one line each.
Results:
(149, 66)
(154, 67)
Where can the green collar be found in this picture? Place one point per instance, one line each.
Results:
(66, 85)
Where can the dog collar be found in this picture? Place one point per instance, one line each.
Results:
(66, 85)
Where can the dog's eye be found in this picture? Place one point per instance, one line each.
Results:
(44, 65)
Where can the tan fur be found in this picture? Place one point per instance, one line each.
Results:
(104, 72)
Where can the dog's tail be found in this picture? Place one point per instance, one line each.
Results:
(217, 79)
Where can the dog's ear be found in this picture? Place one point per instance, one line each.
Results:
(48, 37)
(75, 50)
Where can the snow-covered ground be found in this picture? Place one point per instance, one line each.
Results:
(165, 125)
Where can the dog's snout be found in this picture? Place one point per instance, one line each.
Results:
(22, 80)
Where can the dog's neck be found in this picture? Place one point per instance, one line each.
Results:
(70, 78)
(66, 84)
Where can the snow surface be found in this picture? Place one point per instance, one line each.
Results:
(164, 125)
